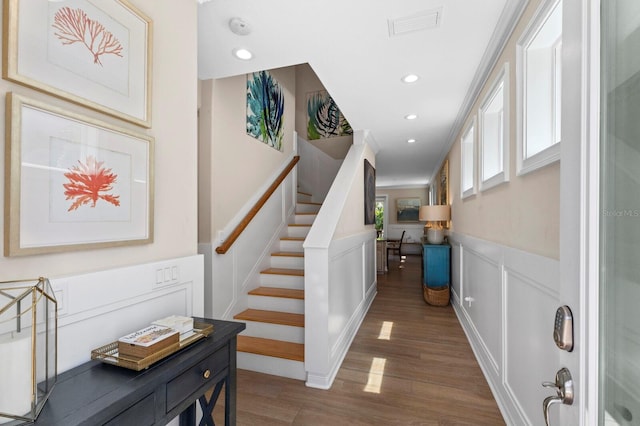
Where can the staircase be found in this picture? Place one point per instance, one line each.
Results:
(273, 342)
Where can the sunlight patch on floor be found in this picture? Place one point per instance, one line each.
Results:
(376, 373)
(385, 330)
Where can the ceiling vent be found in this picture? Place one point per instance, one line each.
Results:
(424, 20)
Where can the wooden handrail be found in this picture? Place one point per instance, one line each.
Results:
(226, 244)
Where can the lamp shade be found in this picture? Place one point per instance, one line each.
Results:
(434, 213)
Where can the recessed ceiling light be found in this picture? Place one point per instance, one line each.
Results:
(411, 78)
(411, 141)
(411, 116)
(243, 54)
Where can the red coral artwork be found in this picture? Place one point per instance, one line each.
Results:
(74, 26)
(88, 182)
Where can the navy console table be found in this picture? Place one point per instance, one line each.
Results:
(436, 264)
(96, 393)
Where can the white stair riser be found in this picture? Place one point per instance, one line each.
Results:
(274, 366)
(279, 304)
(282, 281)
(307, 208)
(266, 330)
(298, 231)
(304, 219)
(287, 245)
(287, 262)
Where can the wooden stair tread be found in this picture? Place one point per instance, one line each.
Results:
(308, 202)
(271, 317)
(288, 254)
(285, 293)
(269, 347)
(304, 193)
(306, 214)
(284, 271)
(292, 239)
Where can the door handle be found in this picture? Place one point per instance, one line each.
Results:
(564, 392)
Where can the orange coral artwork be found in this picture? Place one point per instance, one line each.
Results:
(74, 26)
(89, 182)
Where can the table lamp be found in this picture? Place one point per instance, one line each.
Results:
(434, 215)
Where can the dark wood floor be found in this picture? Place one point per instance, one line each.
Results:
(410, 364)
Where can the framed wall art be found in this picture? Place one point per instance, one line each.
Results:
(96, 54)
(442, 197)
(369, 193)
(265, 109)
(324, 118)
(73, 182)
(407, 209)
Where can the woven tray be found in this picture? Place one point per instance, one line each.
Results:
(109, 353)
(436, 296)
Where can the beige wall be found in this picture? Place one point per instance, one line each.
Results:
(394, 194)
(524, 212)
(174, 93)
(239, 165)
(352, 218)
(307, 82)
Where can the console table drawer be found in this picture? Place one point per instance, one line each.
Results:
(198, 375)
(142, 413)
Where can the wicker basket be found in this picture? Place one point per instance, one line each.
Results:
(437, 296)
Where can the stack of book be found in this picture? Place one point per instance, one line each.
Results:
(161, 334)
(147, 341)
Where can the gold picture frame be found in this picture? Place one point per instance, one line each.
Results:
(442, 189)
(73, 182)
(44, 48)
(442, 193)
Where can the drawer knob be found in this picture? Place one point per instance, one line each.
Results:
(206, 374)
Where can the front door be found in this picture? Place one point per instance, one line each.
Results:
(619, 356)
(600, 209)
(579, 182)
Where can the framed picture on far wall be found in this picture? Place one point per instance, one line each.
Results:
(407, 209)
(93, 53)
(73, 183)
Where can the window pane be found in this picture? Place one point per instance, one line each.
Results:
(467, 160)
(492, 135)
(542, 85)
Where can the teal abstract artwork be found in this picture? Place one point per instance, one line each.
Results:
(265, 109)
(324, 119)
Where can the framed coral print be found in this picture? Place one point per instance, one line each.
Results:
(73, 182)
(93, 53)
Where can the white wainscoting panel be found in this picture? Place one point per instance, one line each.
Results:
(413, 236)
(509, 323)
(231, 275)
(99, 307)
(482, 302)
(336, 304)
(456, 274)
(529, 311)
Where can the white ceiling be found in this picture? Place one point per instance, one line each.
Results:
(347, 43)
